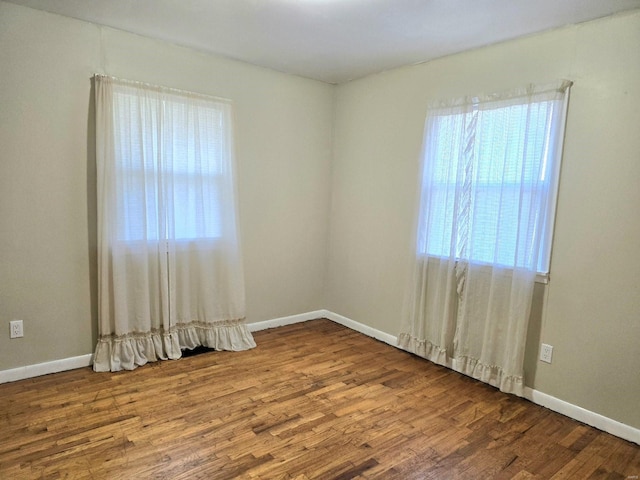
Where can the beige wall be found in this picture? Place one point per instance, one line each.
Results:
(590, 311)
(319, 233)
(47, 175)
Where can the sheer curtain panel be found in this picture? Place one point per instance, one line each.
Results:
(484, 225)
(169, 264)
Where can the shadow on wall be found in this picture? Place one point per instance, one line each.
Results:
(533, 334)
(92, 213)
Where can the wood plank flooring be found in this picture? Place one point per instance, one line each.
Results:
(313, 401)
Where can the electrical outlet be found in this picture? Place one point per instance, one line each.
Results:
(16, 329)
(546, 352)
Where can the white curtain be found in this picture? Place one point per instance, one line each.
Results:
(169, 263)
(490, 173)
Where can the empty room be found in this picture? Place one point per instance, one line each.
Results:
(319, 239)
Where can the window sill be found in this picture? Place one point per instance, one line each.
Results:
(542, 278)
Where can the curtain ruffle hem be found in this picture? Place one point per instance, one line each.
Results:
(127, 352)
(424, 349)
(491, 374)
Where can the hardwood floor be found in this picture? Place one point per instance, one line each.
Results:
(313, 401)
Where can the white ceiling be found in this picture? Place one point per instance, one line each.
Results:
(333, 40)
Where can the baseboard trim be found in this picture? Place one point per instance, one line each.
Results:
(282, 321)
(334, 317)
(54, 366)
(359, 327)
(583, 415)
(539, 398)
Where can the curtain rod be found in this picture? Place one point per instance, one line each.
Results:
(160, 88)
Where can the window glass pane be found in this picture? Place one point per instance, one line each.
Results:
(495, 163)
(171, 167)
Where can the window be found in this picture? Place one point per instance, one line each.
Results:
(490, 178)
(171, 154)
(170, 273)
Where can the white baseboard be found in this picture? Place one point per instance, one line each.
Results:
(583, 415)
(596, 420)
(282, 321)
(334, 317)
(45, 368)
(359, 327)
(539, 398)
(54, 366)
